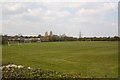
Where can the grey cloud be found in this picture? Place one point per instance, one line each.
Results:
(68, 18)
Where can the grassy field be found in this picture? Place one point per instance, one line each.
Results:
(95, 59)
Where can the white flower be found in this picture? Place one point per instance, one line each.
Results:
(29, 68)
(8, 66)
(20, 66)
(2, 67)
(14, 65)
(11, 65)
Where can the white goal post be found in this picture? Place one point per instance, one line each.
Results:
(13, 43)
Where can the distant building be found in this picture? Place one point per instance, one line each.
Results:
(51, 34)
(63, 35)
(46, 34)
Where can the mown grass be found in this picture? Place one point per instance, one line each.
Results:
(96, 59)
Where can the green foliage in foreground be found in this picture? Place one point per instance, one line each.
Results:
(24, 72)
(95, 59)
(13, 72)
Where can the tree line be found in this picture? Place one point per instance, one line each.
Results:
(54, 38)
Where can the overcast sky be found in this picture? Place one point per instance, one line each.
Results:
(70, 18)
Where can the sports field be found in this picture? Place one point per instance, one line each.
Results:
(88, 58)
